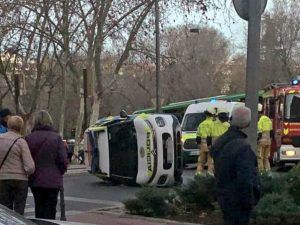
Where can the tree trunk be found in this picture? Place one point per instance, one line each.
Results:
(95, 109)
(63, 96)
(64, 65)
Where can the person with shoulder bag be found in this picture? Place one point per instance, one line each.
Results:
(16, 165)
(49, 154)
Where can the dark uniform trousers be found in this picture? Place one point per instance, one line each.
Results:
(45, 200)
(236, 216)
(13, 194)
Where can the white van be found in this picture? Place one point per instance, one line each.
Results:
(193, 116)
(143, 149)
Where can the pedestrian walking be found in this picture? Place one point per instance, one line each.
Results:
(5, 114)
(265, 127)
(237, 186)
(70, 150)
(16, 165)
(49, 155)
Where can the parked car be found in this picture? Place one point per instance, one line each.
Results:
(142, 149)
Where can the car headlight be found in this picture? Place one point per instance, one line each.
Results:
(160, 121)
(289, 153)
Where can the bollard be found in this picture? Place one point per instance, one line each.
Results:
(62, 205)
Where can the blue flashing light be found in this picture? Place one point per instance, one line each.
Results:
(213, 100)
(295, 82)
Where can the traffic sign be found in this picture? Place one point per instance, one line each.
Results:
(242, 8)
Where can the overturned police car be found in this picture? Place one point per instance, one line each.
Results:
(141, 149)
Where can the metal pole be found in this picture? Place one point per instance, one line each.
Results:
(253, 69)
(157, 32)
(62, 205)
(85, 95)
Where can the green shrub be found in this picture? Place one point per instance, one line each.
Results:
(150, 201)
(272, 183)
(294, 184)
(295, 172)
(199, 193)
(277, 209)
(294, 189)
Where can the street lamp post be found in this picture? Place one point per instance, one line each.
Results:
(251, 10)
(157, 63)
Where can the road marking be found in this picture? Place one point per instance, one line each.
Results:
(29, 210)
(68, 213)
(87, 200)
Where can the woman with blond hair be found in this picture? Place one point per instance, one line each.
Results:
(49, 155)
(16, 164)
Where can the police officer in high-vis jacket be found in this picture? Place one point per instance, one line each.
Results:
(264, 140)
(204, 139)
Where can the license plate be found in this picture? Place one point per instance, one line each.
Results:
(194, 153)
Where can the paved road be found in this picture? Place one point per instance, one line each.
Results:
(84, 192)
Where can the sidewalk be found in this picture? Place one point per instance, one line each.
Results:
(119, 218)
(76, 169)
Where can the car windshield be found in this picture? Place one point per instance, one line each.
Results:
(192, 121)
(292, 108)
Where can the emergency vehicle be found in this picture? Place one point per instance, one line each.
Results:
(282, 104)
(142, 149)
(193, 116)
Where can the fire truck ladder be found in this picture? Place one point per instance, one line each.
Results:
(275, 85)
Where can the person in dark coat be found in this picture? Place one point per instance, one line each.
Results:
(49, 155)
(237, 186)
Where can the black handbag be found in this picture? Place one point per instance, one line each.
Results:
(7, 153)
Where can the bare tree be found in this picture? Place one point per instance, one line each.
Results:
(281, 42)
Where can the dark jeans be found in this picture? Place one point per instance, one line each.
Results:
(232, 213)
(13, 194)
(236, 216)
(45, 200)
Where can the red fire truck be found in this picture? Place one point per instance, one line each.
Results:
(282, 104)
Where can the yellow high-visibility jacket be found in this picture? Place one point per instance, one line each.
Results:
(264, 129)
(205, 129)
(219, 128)
(264, 124)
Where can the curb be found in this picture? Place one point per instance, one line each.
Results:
(106, 211)
(75, 174)
(76, 170)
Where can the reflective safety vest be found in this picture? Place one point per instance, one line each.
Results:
(205, 129)
(265, 126)
(219, 128)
